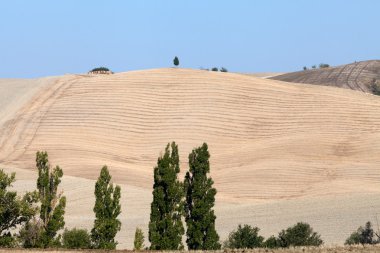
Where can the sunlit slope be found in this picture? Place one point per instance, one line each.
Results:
(268, 140)
(355, 76)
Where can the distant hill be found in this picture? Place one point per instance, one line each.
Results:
(355, 76)
(280, 152)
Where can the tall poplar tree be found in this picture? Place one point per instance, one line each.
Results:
(165, 226)
(200, 199)
(53, 204)
(107, 208)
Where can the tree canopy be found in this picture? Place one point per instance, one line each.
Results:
(53, 204)
(200, 199)
(165, 226)
(107, 209)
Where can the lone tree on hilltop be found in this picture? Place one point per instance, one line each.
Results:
(100, 70)
(53, 204)
(200, 199)
(165, 226)
(14, 211)
(107, 208)
(176, 61)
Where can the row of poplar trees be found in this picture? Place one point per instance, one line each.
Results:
(173, 200)
(192, 199)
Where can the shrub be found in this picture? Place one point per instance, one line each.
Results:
(245, 237)
(214, 69)
(138, 243)
(304, 68)
(272, 242)
(31, 234)
(76, 239)
(8, 241)
(323, 65)
(301, 234)
(223, 69)
(313, 67)
(363, 236)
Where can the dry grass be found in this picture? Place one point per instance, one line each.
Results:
(348, 249)
(280, 152)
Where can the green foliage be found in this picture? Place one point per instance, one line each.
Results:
(200, 199)
(8, 241)
(100, 69)
(272, 243)
(313, 67)
(107, 208)
(14, 211)
(31, 234)
(300, 234)
(222, 69)
(245, 237)
(363, 235)
(53, 204)
(76, 239)
(304, 68)
(165, 226)
(214, 69)
(324, 65)
(138, 243)
(176, 61)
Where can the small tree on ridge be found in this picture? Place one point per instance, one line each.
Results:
(176, 61)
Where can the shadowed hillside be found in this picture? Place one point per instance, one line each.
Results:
(355, 76)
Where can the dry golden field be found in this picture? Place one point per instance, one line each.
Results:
(280, 152)
(351, 249)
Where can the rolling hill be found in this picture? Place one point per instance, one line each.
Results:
(280, 152)
(355, 76)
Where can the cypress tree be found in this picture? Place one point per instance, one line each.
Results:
(176, 61)
(53, 204)
(165, 226)
(107, 208)
(200, 199)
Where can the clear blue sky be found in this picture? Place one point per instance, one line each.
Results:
(41, 38)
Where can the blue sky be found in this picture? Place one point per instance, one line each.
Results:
(42, 38)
